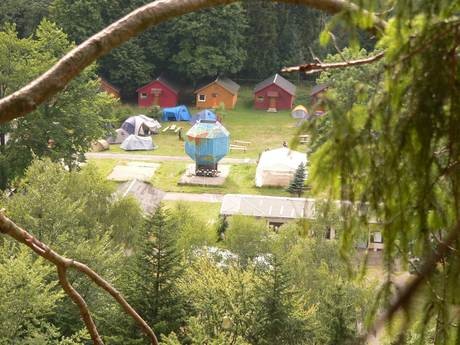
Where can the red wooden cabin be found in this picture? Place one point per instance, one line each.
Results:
(158, 92)
(274, 93)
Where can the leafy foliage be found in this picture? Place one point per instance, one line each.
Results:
(61, 129)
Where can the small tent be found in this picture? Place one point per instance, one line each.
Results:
(119, 136)
(100, 145)
(300, 112)
(277, 167)
(135, 143)
(204, 115)
(141, 125)
(179, 113)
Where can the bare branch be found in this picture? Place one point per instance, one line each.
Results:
(315, 67)
(80, 302)
(336, 46)
(62, 263)
(408, 292)
(55, 79)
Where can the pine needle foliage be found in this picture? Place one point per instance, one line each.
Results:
(297, 185)
(399, 154)
(158, 266)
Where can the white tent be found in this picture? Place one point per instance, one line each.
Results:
(277, 167)
(119, 136)
(135, 142)
(141, 125)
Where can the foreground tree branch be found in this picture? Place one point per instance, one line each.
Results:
(405, 297)
(55, 79)
(62, 263)
(315, 67)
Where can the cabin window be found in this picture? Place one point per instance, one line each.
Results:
(214, 95)
(201, 98)
(260, 99)
(143, 95)
(376, 237)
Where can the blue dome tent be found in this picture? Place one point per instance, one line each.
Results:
(204, 115)
(179, 113)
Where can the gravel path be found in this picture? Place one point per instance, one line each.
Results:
(157, 158)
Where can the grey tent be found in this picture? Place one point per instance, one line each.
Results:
(141, 125)
(135, 142)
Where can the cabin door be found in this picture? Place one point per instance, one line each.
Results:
(272, 102)
(156, 100)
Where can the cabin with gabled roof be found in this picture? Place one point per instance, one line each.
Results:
(274, 93)
(160, 92)
(220, 90)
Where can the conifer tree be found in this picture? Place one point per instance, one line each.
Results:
(280, 320)
(297, 186)
(157, 268)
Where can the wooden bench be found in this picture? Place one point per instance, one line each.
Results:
(304, 139)
(242, 143)
(238, 148)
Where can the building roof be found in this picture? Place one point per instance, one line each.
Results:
(267, 206)
(318, 88)
(279, 207)
(278, 80)
(148, 197)
(226, 83)
(164, 81)
(106, 82)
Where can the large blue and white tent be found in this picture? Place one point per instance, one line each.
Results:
(179, 113)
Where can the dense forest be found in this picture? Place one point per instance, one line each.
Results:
(385, 154)
(248, 41)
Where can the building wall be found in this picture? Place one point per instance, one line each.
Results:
(167, 98)
(283, 102)
(214, 95)
(317, 104)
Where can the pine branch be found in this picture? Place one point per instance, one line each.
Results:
(62, 263)
(55, 79)
(405, 297)
(315, 67)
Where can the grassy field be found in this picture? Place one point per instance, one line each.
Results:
(239, 181)
(264, 130)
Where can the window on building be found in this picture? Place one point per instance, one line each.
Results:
(214, 95)
(143, 95)
(377, 237)
(260, 99)
(201, 98)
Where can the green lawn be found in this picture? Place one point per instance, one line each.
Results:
(264, 130)
(239, 181)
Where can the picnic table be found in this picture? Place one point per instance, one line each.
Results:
(238, 148)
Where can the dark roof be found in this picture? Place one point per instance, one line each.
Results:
(148, 197)
(169, 83)
(278, 80)
(105, 81)
(318, 88)
(226, 83)
(164, 81)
